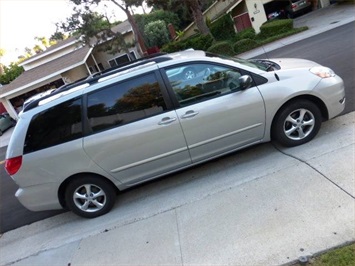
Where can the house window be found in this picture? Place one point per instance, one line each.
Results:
(121, 59)
(93, 69)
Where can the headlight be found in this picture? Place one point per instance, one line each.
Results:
(322, 72)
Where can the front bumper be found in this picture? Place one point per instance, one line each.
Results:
(332, 92)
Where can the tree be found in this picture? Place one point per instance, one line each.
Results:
(10, 73)
(175, 7)
(38, 49)
(125, 6)
(58, 36)
(2, 53)
(92, 29)
(195, 7)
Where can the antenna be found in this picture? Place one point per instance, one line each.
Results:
(267, 56)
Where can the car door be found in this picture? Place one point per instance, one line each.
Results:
(135, 135)
(216, 114)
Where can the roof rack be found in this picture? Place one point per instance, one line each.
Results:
(155, 58)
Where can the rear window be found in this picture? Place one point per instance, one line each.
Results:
(56, 125)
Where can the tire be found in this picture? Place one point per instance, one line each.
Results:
(296, 123)
(79, 201)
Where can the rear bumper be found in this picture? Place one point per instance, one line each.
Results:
(39, 198)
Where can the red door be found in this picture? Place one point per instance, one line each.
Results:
(242, 22)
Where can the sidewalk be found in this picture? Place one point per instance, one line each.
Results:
(262, 206)
(269, 207)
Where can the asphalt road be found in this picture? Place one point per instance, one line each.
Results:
(335, 49)
(12, 213)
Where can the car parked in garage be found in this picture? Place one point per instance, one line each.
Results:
(296, 7)
(77, 147)
(5, 122)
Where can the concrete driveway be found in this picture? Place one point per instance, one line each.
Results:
(261, 206)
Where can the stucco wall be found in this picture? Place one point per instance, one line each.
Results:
(257, 13)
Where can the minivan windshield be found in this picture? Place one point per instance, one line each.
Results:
(245, 62)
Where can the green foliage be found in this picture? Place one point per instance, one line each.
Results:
(174, 6)
(156, 33)
(248, 34)
(10, 73)
(275, 27)
(198, 42)
(57, 36)
(223, 29)
(244, 45)
(222, 47)
(167, 17)
(344, 256)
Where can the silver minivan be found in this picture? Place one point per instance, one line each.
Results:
(77, 147)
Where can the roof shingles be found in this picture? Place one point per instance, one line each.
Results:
(47, 69)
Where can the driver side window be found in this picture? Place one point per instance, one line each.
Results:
(200, 82)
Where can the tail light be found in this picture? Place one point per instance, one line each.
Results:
(294, 5)
(12, 165)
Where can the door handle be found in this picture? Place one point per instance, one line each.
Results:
(166, 121)
(190, 114)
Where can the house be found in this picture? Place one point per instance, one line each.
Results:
(245, 13)
(63, 63)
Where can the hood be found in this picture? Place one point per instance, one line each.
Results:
(291, 63)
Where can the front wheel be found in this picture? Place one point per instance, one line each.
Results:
(90, 196)
(297, 123)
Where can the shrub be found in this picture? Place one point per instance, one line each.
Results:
(247, 34)
(223, 29)
(244, 45)
(275, 27)
(223, 48)
(156, 33)
(198, 42)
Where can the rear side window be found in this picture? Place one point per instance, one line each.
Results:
(125, 102)
(56, 125)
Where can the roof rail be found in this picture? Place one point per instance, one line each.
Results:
(155, 58)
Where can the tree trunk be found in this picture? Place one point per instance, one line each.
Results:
(137, 35)
(195, 8)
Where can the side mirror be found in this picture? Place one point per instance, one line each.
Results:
(245, 82)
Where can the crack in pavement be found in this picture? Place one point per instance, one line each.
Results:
(315, 169)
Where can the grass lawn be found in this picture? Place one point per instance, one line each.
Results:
(343, 256)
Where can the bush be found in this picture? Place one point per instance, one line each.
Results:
(247, 34)
(244, 45)
(156, 33)
(198, 42)
(275, 27)
(223, 48)
(223, 29)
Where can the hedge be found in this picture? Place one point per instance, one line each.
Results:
(244, 45)
(198, 42)
(223, 28)
(223, 48)
(275, 27)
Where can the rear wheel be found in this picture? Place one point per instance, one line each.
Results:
(90, 196)
(297, 123)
